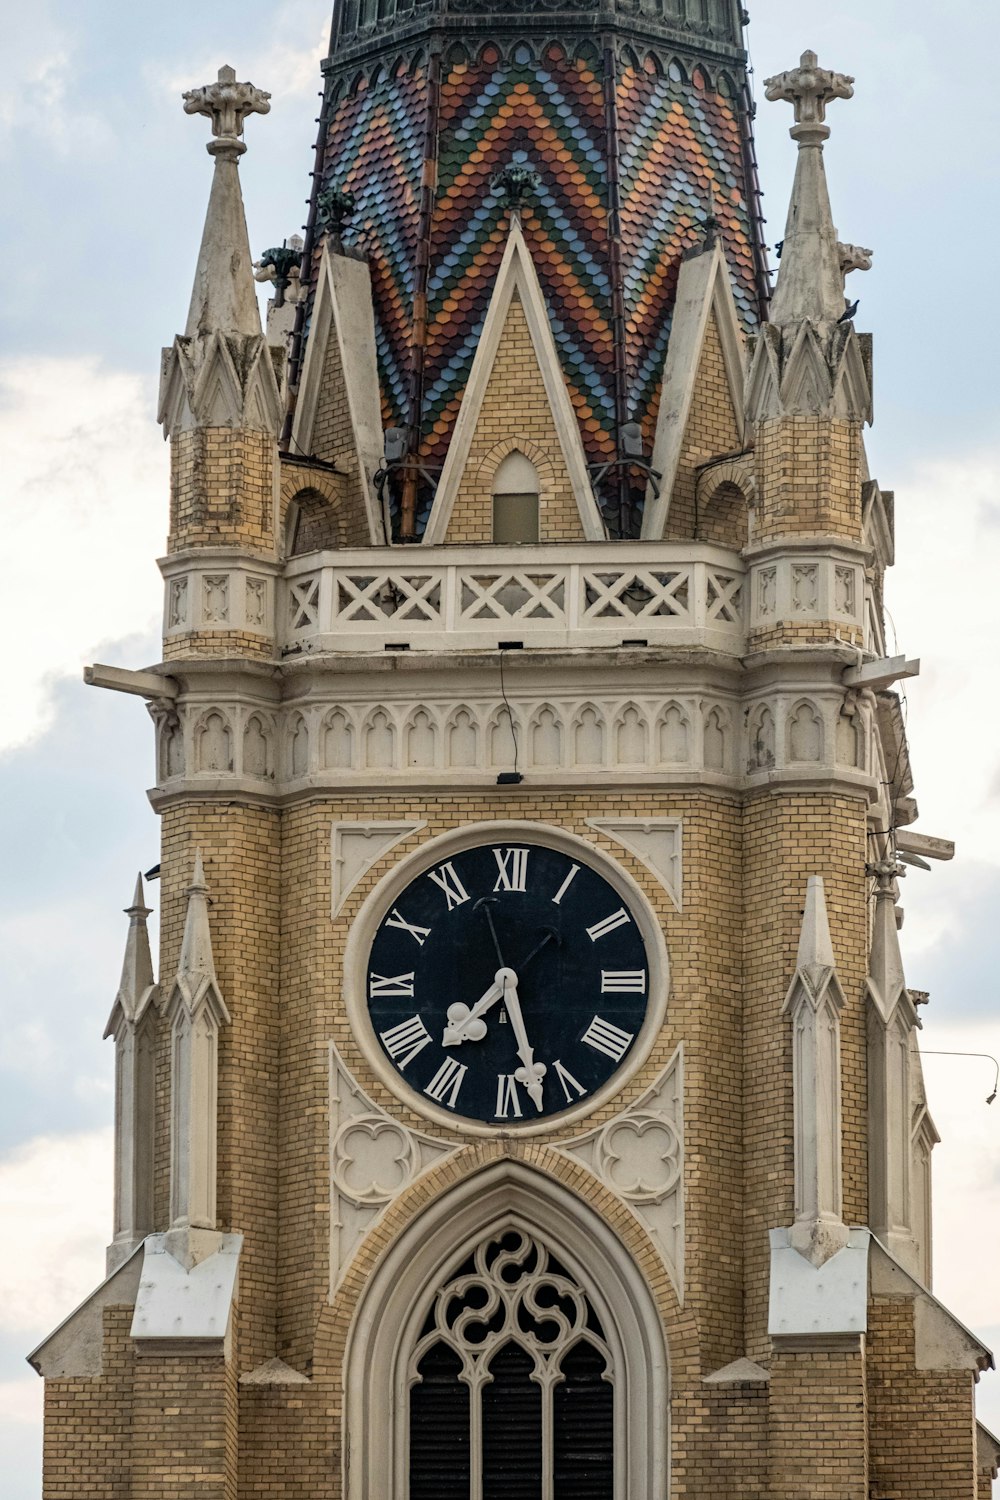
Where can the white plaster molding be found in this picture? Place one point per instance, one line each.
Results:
(891, 1022)
(740, 1372)
(810, 1301)
(813, 1005)
(517, 274)
(75, 1349)
(431, 852)
(703, 288)
(656, 842)
(457, 599)
(195, 1012)
(355, 847)
(941, 1341)
(343, 311)
(639, 1155)
(373, 1158)
(274, 1372)
(221, 380)
(189, 1303)
(132, 1023)
(397, 1298)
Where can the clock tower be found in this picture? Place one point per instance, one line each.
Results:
(528, 1104)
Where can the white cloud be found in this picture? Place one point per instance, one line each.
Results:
(40, 99)
(85, 513)
(942, 596)
(58, 1191)
(21, 1401)
(288, 67)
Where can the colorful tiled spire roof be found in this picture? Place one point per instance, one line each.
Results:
(637, 133)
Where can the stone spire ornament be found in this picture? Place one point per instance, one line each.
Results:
(810, 277)
(224, 299)
(813, 1004)
(195, 1013)
(132, 1023)
(892, 1020)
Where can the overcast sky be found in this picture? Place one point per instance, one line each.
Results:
(104, 186)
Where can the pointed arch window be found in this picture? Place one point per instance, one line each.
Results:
(511, 1383)
(507, 1345)
(515, 501)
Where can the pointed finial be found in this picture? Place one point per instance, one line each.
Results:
(810, 89)
(196, 960)
(137, 985)
(815, 943)
(811, 274)
(227, 104)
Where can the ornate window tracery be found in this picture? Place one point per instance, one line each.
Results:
(513, 1374)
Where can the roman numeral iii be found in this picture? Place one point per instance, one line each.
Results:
(601, 929)
(609, 1039)
(404, 1041)
(447, 878)
(513, 867)
(623, 981)
(447, 1081)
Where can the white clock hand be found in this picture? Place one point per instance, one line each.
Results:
(532, 1073)
(465, 1025)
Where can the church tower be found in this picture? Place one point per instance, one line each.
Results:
(528, 1103)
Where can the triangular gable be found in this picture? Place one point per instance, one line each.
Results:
(517, 277)
(704, 296)
(343, 313)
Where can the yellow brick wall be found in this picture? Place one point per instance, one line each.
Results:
(333, 440)
(923, 1421)
(88, 1424)
(222, 486)
(809, 475)
(217, 644)
(787, 838)
(818, 1426)
(711, 430)
(515, 414)
(241, 852)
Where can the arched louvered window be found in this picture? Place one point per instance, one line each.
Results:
(515, 501)
(511, 1385)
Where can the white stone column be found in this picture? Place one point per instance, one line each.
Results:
(195, 1013)
(892, 1020)
(132, 1023)
(813, 1005)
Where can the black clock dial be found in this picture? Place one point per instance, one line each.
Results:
(508, 982)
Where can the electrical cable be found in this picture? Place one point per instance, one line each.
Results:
(510, 715)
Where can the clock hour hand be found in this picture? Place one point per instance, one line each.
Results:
(484, 904)
(531, 1073)
(465, 1023)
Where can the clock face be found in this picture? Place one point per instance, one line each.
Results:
(507, 983)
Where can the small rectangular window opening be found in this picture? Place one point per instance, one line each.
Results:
(515, 519)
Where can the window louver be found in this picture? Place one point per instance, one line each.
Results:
(439, 1429)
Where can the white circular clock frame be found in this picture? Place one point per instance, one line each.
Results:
(412, 865)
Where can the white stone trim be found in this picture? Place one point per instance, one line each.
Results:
(703, 287)
(394, 1305)
(655, 1193)
(464, 598)
(365, 1141)
(355, 847)
(343, 310)
(431, 852)
(656, 842)
(517, 274)
(218, 591)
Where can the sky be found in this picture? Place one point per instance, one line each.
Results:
(104, 186)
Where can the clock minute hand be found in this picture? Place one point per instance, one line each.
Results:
(532, 1073)
(465, 1024)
